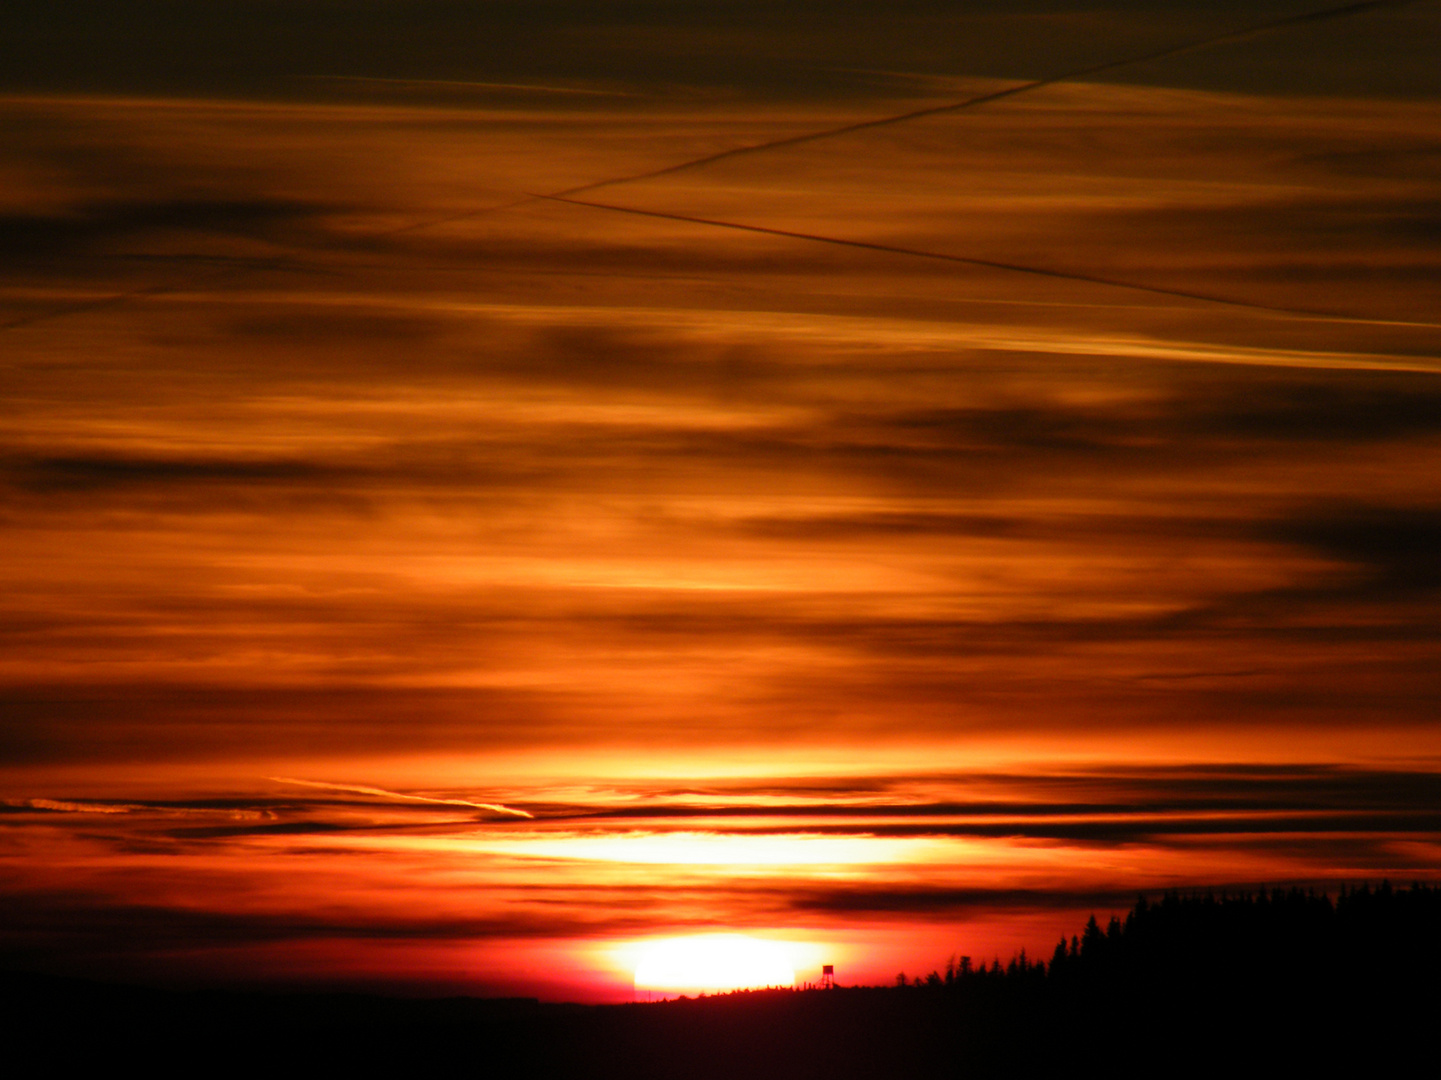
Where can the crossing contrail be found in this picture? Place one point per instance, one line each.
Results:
(1321, 15)
(1340, 11)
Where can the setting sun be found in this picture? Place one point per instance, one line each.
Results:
(709, 963)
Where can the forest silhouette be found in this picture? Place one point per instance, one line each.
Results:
(1265, 982)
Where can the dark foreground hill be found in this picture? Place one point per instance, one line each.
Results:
(1278, 983)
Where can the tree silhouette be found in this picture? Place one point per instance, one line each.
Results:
(1285, 981)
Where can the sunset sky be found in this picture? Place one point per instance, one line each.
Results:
(444, 548)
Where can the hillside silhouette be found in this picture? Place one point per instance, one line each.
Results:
(1265, 983)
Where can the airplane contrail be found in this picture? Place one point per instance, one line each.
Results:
(69, 806)
(921, 253)
(158, 288)
(1320, 15)
(360, 789)
(1341, 11)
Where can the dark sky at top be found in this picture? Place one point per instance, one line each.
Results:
(807, 48)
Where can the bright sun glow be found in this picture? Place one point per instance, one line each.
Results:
(709, 963)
